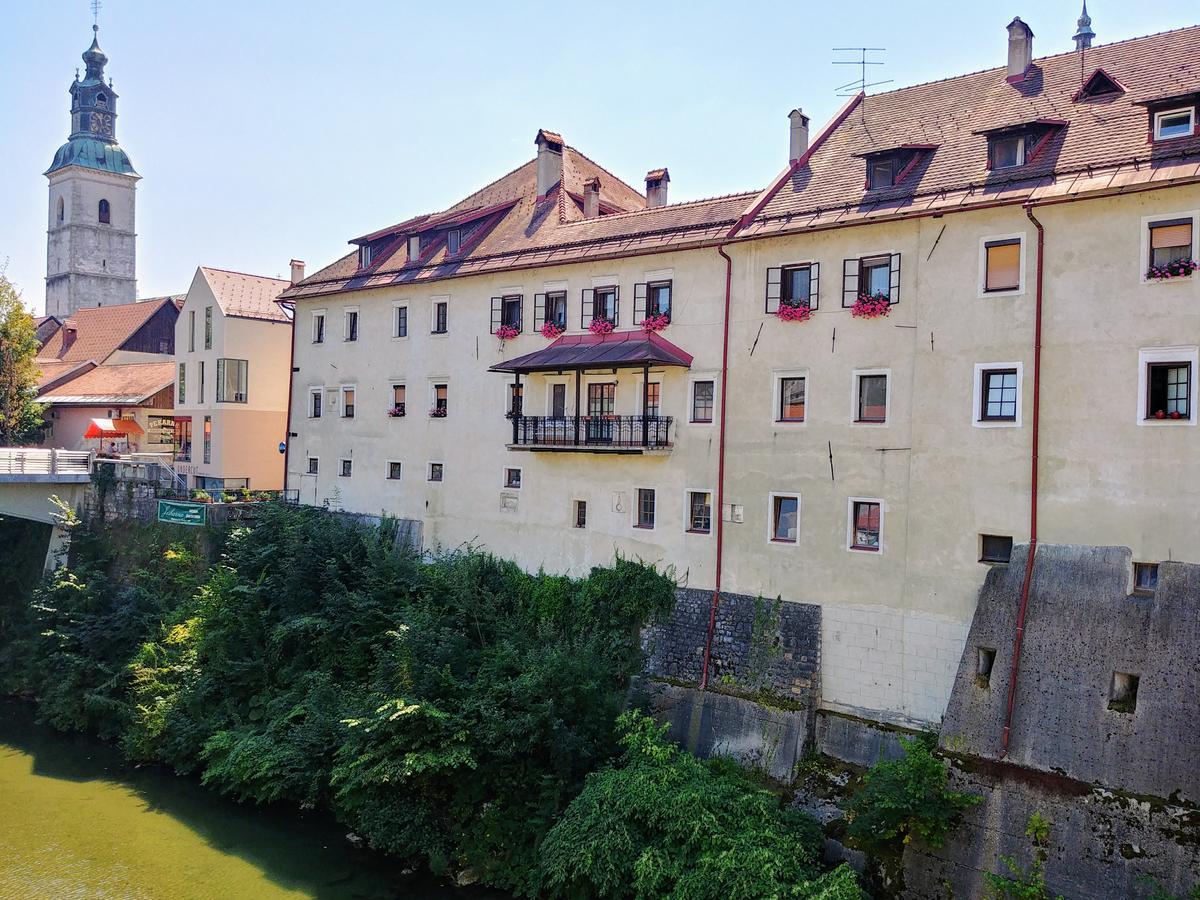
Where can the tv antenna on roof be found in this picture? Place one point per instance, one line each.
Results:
(860, 84)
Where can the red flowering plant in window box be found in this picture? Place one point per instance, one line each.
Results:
(1178, 268)
(601, 326)
(871, 306)
(396, 411)
(794, 312)
(552, 330)
(507, 332)
(655, 322)
(438, 412)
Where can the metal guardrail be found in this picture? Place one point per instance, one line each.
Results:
(592, 432)
(36, 461)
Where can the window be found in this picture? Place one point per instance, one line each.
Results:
(791, 400)
(350, 332)
(871, 399)
(645, 508)
(516, 398)
(995, 548)
(999, 397)
(440, 311)
(870, 276)
(652, 399)
(400, 322)
(102, 101)
(985, 659)
(393, 471)
(558, 401)
(1007, 152)
(1002, 265)
(453, 241)
(232, 380)
(105, 213)
(441, 401)
(1174, 123)
(364, 256)
(556, 309)
(314, 465)
(436, 471)
(202, 379)
(208, 319)
(580, 516)
(61, 210)
(702, 401)
(347, 468)
(785, 518)
(1122, 694)
(881, 172)
(506, 312)
(347, 403)
(874, 275)
(600, 304)
(658, 298)
(1170, 241)
(1145, 577)
(208, 439)
(182, 392)
(183, 438)
(191, 331)
(1169, 386)
(796, 285)
(318, 328)
(866, 521)
(699, 512)
(399, 407)
(314, 403)
(414, 248)
(512, 479)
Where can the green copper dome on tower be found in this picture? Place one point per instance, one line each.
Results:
(93, 141)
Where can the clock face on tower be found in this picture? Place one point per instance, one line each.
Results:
(102, 123)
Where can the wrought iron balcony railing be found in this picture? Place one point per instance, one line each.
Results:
(591, 433)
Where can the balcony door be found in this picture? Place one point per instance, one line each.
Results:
(602, 401)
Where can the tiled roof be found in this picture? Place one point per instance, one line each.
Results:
(52, 372)
(246, 296)
(98, 331)
(1091, 134)
(177, 299)
(114, 384)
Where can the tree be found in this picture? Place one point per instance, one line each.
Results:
(20, 413)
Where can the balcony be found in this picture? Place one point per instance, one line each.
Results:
(646, 435)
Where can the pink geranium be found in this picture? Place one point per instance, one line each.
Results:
(551, 330)
(601, 326)
(1179, 268)
(507, 332)
(789, 312)
(655, 322)
(871, 306)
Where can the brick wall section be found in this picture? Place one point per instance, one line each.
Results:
(783, 658)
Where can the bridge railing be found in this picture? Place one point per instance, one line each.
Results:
(36, 461)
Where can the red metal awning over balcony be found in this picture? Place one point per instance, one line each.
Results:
(619, 350)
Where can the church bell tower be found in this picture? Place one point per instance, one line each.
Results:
(90, 238)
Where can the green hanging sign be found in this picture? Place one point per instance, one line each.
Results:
(178, 513)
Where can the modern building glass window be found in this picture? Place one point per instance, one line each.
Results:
(699, 512)
(202, 380)
(512, 478)
(348, 402)
(314, 465)
(351, 332)
(182, 392)
(183, 438)
(998, 402)
(1169, 390)
(318, 330)
(208, 439)
(866, 525)
(791, 400)
(702, 401)
(233, 380)
(347, 468)
(785, 518)
(191, 330)
(1174, 123)
(645, 508)
(872, 399)
(436, 471)
(393, 471)
(400, 326)
(208, 328)
(1170, 241)
(1003, 261)
(440, 315)
(995, 548)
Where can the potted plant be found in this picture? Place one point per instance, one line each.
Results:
(202, 496)
(507, 332)
(397, 411)
(794, 312)
(552, 330)
(871, 306)
(437, 412)
(655, 322)
(1178, 268)
(1159, 414)
(601, 325)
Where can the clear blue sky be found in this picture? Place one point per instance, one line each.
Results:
(267, 130)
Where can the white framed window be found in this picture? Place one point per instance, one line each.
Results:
(1168, 238)
(789, 396)
(698, 511)
(414, 248)
(318, 326)
(783, 518)
(437, 471)
(439, 322)
(439, 398)
(996, 395)
(399, 407)
(393, 470)
(1007, 151)
(316, 397)
(345, 468)
(558, 397)
(1002, 265)
(1174, 123)
(512, 477)
(864, 525)
(871, 397)
(1167, 385)
(399, 321)
(350, 323)
(364, 256)
(314, 466)
(702, 399)
(349, 391)
(645, 509)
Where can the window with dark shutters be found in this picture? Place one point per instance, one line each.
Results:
(796, 285)
(869, 275)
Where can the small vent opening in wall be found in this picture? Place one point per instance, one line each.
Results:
(1122, 696)
(985, 657)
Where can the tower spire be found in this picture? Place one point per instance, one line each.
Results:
(1084, 34)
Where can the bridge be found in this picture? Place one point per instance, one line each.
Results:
(29, 477)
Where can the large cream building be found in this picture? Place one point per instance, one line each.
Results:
(873, 465)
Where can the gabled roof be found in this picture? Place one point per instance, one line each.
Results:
(587, 351)
(95, 333)
(123, 384)
(246, 296)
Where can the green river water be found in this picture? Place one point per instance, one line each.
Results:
(76, 821)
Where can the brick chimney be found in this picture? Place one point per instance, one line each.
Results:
(1020, 49)
(656, 187)
(798, 145)
(297, 271)
(549, 160)
(591, 198)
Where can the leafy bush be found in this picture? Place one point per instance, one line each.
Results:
(907, 799)
(663, 823)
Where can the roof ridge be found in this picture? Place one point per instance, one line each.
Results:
(683, 203)
(605, 171)
(1129, 40)
(234, 272)
(491, 183)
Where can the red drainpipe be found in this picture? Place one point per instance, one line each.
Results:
(720, 508)
(1023, 606)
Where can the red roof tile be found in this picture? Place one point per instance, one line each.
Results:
(132, 383)
(95, 333)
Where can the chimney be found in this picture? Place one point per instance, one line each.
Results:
(656, 187)
(549, 161)
(297, 271)
(69, 335)
(1020, 49)
(798, 145)
(591, 198)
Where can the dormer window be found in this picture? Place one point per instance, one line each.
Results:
(364, 256)
(1007, 152)
(101, 100)
(414, 247)
(881, 173)
(453, 241)
(1099, 84)
(1174, 123)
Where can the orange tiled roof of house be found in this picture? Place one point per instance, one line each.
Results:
(126, 383)
(95, 333)
(246, 296)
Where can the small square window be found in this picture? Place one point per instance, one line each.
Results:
(658, 299)
(364, 256)
(400, 325)
(347, 403)
(1174, 123)
(313, 465)
(512, 478)
(510, 312)
(1122, 693)
(985, 659)
(436, 471)
(1003, 265)
(1170, 241)
(998, 400)
(866, 525)
(791, 400)
(1145, 577)
(795, 288)
(995, 548)
(699, 512)
(580, 516)
(881, 173)
(556, 309)
(604, 304)
(645, 508)
(347, 467)
(875, 276)
(702, 401)
(393, 471)
(1169, 390)
(351, 325)
(1008, 152)
(785, 519)
(872, 399)
(453, 241)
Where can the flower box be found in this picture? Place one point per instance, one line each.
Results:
(552, 330)
(437, 412)
(655, 323)
(1180, 268)
(794, 312)
(507, 332)
(871, 306)
(601, 326)
(396, 412)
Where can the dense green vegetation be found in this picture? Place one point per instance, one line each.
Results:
(447, 710)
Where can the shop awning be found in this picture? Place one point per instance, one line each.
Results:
(624, 350)
(113, 428)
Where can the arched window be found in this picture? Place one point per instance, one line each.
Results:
(61, 210)
(101, 100)
(105, 215)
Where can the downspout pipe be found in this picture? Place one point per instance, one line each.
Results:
(1023, 605)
